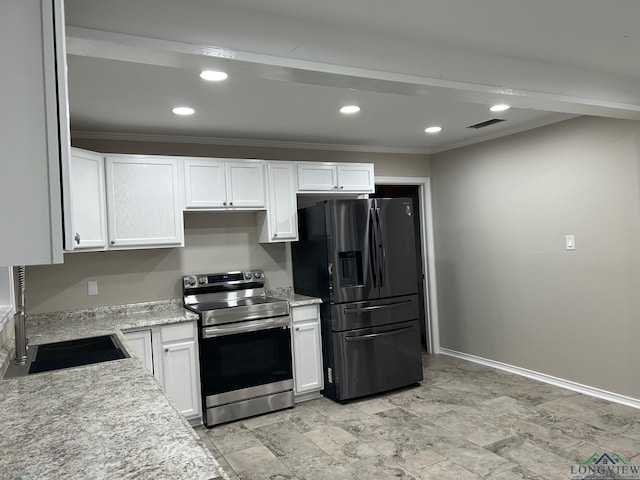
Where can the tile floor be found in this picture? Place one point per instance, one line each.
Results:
(464, 421)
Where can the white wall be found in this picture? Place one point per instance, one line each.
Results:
(507, 288)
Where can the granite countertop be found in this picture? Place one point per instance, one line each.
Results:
(294, 299)
(58, 326)
(101, 421)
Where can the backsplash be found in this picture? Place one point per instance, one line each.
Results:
(278, 292)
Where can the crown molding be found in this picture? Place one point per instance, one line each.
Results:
(240, 142)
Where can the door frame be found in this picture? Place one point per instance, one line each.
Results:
(428, 254)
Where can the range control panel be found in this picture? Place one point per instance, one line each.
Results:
(236, 279)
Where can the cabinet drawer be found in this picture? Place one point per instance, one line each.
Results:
(177, 332)
(305, 312)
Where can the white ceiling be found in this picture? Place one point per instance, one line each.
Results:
(408, 64)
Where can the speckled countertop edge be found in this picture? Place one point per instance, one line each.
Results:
(294, 299)
(107, 420)
(129, 372)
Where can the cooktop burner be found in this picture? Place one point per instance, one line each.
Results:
(230, 297)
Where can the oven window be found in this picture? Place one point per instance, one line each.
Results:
(244, 360)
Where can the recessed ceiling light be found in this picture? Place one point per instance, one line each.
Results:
(350, 109)
(183, 110)
(213, 75)
(433, 129)
(500, 107)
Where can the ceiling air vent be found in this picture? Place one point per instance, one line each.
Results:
(486, 123)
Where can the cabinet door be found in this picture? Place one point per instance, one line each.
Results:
(33, 131)
(180, 376)
(140, 342)
(204, 183)
(317, 177)
(307, 356)
(280, 221)
(143, 202)
(245, 184)
(356, 177)
(88, 210)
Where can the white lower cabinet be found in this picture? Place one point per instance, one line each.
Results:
(180, 377)
(307, 352)
(171, 353)
(140, 342)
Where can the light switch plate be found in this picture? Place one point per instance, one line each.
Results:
(570, 242)
(92, 287)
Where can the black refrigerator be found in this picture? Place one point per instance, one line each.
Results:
(359, 257)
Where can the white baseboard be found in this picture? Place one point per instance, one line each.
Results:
(543, 377)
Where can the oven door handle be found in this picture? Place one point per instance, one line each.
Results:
(212, 332)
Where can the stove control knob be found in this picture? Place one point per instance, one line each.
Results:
(247, 275)
(190, 281)
(258, 275)
(202, 280)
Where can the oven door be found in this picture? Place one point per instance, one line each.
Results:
(243, 355)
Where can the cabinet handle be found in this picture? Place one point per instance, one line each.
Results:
(335, 187)
(77, 238)
(230, 203)
(224, 203)
(275, 235)
(297, 329)
(113, 242)
(341, 187)
(166, 350)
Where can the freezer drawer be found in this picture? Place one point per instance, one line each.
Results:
(374, 360)
(373, 313)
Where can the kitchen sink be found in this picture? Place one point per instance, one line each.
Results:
(70, 353)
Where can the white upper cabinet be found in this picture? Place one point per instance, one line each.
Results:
(204, 182)
(87, 218)
(279, 223)
(212, 183)
(245, 183)
(317, 177)
(335, 177)
(356, 177)
(143, 202)
(34, 138)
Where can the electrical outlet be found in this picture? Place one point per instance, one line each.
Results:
(92, 287)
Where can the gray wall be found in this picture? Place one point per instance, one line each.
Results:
(507, 288)
(213, 241)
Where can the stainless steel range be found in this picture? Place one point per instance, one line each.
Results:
(245, 345)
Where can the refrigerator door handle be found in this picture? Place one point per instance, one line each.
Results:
(373, 248)
(381, 256)
(386, 306)
(357, 338)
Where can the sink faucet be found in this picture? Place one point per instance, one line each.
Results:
(19, 321)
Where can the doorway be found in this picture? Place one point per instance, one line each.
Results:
(412, 192)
